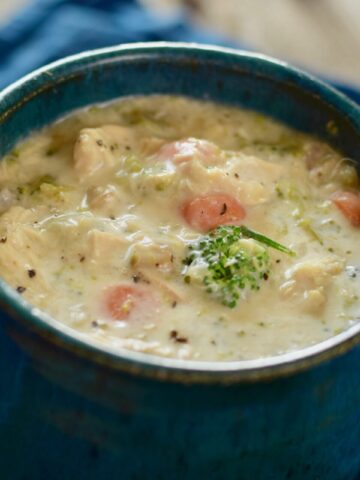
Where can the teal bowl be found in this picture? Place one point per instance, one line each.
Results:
(70, 410)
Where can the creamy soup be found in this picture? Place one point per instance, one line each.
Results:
(184, 229)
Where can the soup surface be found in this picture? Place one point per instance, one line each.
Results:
(184, 229)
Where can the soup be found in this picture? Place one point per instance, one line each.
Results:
(183, 228)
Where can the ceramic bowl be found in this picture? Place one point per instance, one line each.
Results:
(93, 411)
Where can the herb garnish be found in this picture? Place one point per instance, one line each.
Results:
(230, 261)
(246, 232)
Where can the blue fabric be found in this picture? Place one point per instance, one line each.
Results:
(50, 29)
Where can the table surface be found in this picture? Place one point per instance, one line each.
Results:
(320, 35)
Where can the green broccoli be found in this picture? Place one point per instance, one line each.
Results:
(229, 262)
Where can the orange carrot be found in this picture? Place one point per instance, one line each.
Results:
(207, 212)
(349, 205)
(122, 301)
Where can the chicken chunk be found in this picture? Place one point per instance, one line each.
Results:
(96, 149)
(106, 200)
(189, 149)
(103, 247)
(307, 282)
(147, 253)
(21, 259)
(247, 178)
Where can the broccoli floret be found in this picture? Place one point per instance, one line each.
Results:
(229, 262)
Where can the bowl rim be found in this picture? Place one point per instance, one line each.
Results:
(149, 365)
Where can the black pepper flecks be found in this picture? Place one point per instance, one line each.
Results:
(224, 209)
(20, 289)
(174, 335)
(31, 273)
(139, 277)
(3, 240)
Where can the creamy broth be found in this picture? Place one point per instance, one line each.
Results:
(105, 214)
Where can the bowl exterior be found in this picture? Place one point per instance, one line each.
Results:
(68, 415)
(63, 416)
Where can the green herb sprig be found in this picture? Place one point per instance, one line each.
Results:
(230, 261)
(246, 232)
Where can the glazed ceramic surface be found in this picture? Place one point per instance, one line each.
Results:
(92, 414)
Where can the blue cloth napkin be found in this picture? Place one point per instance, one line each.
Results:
(50, 29)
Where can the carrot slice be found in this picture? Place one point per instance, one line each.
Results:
(207, 212)
(122, 302)
(349, 205)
